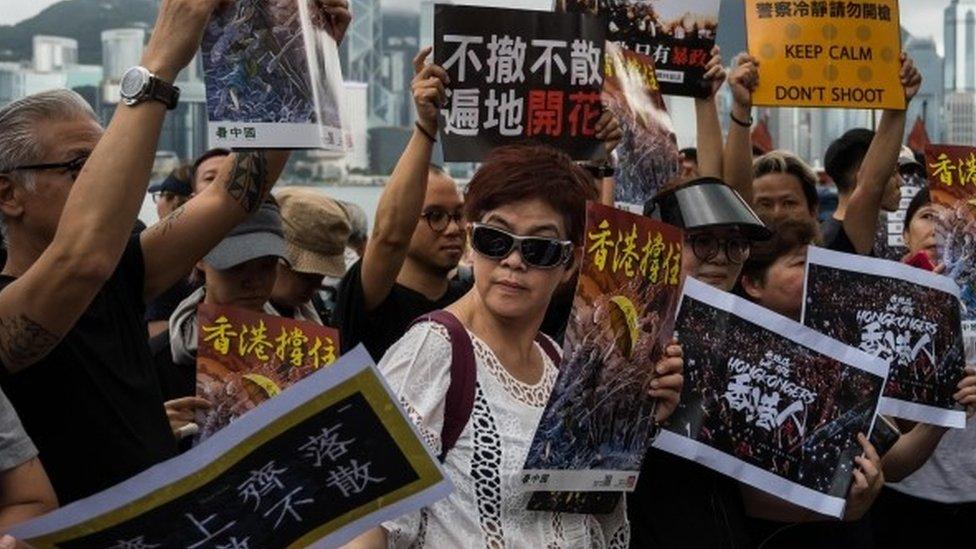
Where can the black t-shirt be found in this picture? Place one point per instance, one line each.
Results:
(93, 405)
(679, 503)
(835, 237)
(165, 303)
(379, 329)
(823, 534)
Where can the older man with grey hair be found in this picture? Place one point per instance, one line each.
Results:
(74, 359)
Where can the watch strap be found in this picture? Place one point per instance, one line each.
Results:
(164, 92)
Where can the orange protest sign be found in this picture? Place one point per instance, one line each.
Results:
(826, 53)
(245, 358)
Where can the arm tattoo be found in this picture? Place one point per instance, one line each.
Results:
(24, 342)
(167, 223)
(249, 184)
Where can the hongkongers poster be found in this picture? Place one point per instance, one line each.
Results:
(769, 402)
(906, 316)
(827, 54)
(647, 155)
(678, 35)
(272, 77)
(952, 183)
(330, 458)
(245, 358)
(517, 75)
(597, 425)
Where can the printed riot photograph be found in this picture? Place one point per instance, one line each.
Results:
(769, 402)
(908, 317)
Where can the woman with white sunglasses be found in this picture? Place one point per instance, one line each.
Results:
(526, 213)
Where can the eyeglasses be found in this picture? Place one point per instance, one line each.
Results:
(71, 167)
(538, 252)
(438, 219)
(167, 195)
(706, 247)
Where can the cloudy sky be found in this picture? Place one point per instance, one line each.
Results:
(920, 17)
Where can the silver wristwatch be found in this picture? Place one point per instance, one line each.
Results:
(139, 85)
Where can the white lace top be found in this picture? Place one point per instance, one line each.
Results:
(488, 509)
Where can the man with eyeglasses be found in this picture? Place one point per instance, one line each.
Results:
(172, 192)
(74, 357)
(418, 237)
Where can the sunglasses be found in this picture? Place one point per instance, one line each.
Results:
(706, 247)
(536, 251)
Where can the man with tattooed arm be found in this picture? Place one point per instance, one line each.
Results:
(74, 359)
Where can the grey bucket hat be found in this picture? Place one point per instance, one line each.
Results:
(259, 235)
(707, 202)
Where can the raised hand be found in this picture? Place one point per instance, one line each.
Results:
(177, 35)
(429, 88)
(744, 79)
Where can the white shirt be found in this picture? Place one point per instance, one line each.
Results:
(488, 508)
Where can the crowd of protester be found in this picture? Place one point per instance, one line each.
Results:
(98, 329)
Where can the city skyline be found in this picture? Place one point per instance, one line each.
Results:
(921, 18)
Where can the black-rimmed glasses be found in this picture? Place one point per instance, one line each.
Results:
(438, 219)
(72, 167)
(706, 247)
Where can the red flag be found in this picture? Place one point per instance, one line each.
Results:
(762, 140)
(918, 138)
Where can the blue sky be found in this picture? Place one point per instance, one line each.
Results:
(920, 17)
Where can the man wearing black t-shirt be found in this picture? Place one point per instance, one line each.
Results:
(864, 166)
(418, 238)
(74, 359)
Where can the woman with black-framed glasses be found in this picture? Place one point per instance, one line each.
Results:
(525, 212)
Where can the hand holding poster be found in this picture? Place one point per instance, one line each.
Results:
(272, 76)
(770, 402)
(597, 425)
(517, 75)
(244, 358)
(952, 179)
(678, 35)
(908, 317)
(333, 456)
(827, 53)
(647, 155)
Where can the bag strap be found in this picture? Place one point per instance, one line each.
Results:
(549, 348)
(459, 402)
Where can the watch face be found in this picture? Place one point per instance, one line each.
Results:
(132, 83)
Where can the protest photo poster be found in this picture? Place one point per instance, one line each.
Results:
(599, 419)
(272, 77)
(952, 184)
(245, 358)
(331, 457)
(827, 54)
(678, 35)
(906, 316)
(647, 155)
(518, 75)
(770, 402)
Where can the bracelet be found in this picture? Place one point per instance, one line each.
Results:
(425, 132)
(742, 123)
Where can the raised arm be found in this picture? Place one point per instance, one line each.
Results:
(402, 201)
(738, 146)
(173, 246)
(706, 115)
(878, 166)
(52, 292)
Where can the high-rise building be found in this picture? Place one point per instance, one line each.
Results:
(121, 49)
(960, 118)
(362, 56)
(355, 117)
(960, 45)
(928, 103)
(54, 53)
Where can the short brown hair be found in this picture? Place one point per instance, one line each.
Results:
(788, 233)
(517, 173)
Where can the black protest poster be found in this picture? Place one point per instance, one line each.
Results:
(770, 402)
(908, 317)
(678, 34)
(328, 458)
(519, 75)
